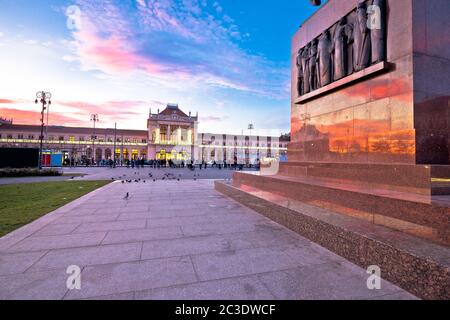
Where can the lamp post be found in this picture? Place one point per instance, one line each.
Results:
(115, 141)
(44, 98)
(94, 119)
(251, 127)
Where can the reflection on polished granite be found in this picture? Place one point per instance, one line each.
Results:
(416, 265)
(421, 215)
(419, 179)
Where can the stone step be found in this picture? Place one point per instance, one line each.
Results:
(416, 265)
(420, 179)
(424, 216)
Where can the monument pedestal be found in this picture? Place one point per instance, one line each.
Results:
(403, 208)
(368, 175)
(414, 264)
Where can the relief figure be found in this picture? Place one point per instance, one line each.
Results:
(361, 37)
(339, 49)
(324, 59)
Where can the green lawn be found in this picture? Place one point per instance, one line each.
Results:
(21, 204)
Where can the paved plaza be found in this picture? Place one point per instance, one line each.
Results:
(172, 240)
(123, 173)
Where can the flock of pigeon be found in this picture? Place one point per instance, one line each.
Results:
(166, 177)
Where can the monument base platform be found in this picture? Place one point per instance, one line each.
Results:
(385, 215)
(416, 265)
(420, 179)
(399, 206)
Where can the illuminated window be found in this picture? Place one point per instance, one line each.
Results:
(72, 139)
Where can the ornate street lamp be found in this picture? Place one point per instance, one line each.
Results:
(94, 119)
(251, 127)
(45, 99)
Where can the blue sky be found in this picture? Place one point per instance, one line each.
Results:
(226, 59)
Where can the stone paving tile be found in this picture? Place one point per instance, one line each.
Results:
(197, 245)
(89, 218)
(111, 226)
(87, 256)
(77, 212)
(112, 208)
(143, 235)
(56, 229)
(134, 276)
(58, 242)
(189, 246)
(175, 213)
(227, 226)
(134, 209)
(253, 261)
(330, 281)
(34, 286)
(264, 239)
(241, 288)
(15, 263)
(396, 296)
(134, 216)
(114, 297)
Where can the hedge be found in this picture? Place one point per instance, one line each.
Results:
(28, 172)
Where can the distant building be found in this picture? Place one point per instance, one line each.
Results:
(171, 134)
(5, 121)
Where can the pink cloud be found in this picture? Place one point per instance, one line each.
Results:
(111, 54)
(7, 101)
(110, 108)
(33, 117)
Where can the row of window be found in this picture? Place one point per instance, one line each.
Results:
(246, 144)
(73, 138)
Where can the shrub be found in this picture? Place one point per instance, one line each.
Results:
(28, 172)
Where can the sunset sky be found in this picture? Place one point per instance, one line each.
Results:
(226, 59)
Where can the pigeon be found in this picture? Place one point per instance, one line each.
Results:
(126, 196)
